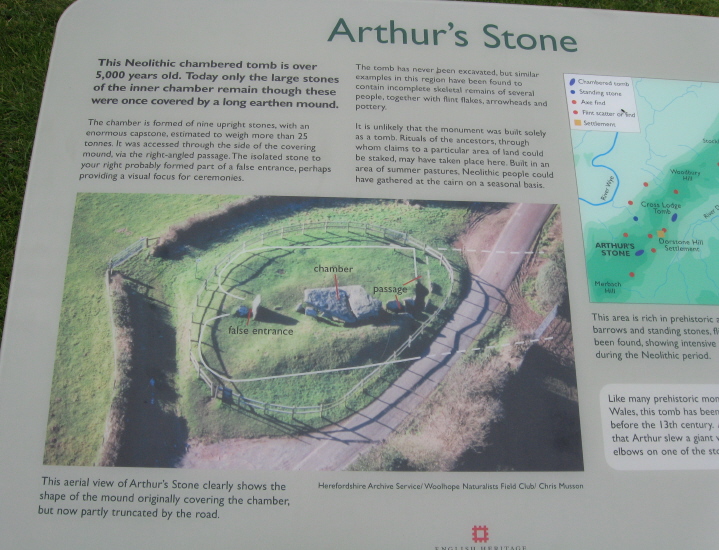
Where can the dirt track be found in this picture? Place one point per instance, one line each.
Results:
(335, 447)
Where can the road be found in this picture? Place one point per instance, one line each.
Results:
(336, 446)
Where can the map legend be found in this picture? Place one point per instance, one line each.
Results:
(601, 103)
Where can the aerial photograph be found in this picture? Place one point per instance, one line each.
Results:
(309, 333)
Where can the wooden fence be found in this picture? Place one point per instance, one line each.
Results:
(217, 383)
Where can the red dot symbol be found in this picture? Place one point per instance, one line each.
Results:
(631, 274)
(650, 236)
(626, 234)
(646, 184)
(576, 112)
(654, 249)
(664, 229)
(630, 203)
(676, 191)
(574, 102)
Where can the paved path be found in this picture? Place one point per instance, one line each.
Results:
(335, 447)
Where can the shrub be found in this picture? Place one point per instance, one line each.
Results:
(551, 284)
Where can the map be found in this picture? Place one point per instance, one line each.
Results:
(646, 154)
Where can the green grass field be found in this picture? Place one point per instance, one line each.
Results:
(106, 223)
(103, 225)
(280, 276)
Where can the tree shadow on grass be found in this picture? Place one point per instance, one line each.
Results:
(154, 435)
(540, 428)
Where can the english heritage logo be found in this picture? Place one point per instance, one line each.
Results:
(480, 533)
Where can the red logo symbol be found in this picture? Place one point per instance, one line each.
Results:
(480, 533)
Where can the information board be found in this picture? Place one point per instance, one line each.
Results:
(367, 275)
